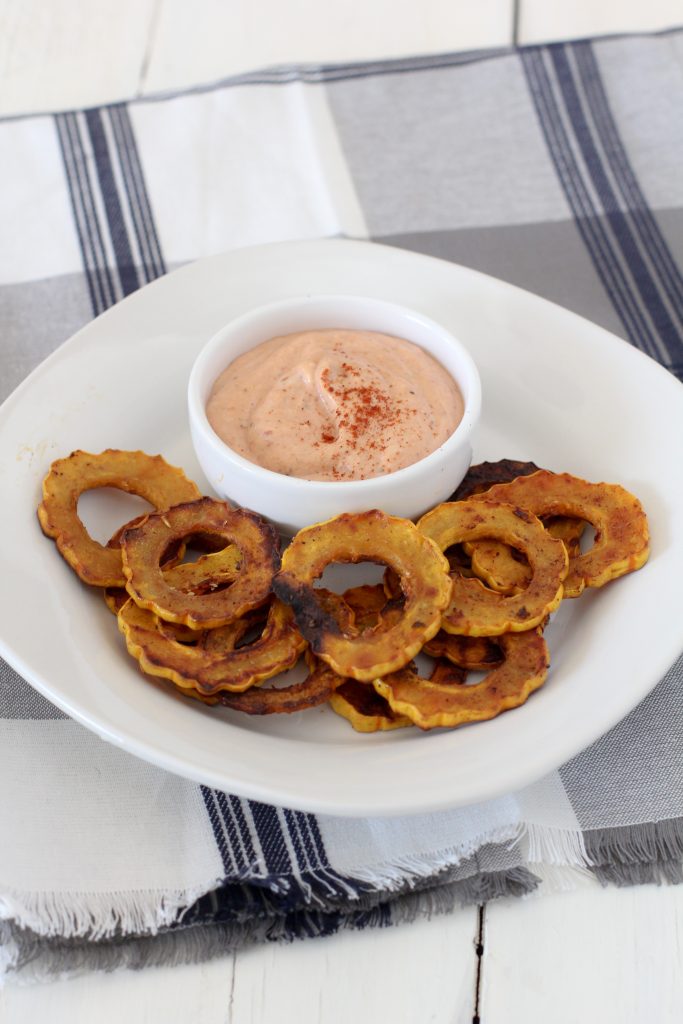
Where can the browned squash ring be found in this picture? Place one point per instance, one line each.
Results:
(224, 667)
(367, 602)
(363, 707)
(367, 711)
(621, 531)
(474, 653)
(475, 610)
(491, 561)
(365, 536)
(430, 704)
(317, 688)
(259, 554)
(358, 702)
(148, 476)
(496, 565)
(371, 608)
(206, 574)
(483, 475)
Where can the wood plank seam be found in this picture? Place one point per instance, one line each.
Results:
(231, 996)
(479, 950)
(516, 14)
(149, 47)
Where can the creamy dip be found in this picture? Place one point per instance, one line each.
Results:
(335, 404)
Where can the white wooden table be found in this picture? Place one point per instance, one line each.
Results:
(587, 955)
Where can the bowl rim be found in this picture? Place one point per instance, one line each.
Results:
(199, 420)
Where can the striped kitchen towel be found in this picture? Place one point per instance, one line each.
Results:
(556, 168)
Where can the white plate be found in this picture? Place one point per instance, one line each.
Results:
(556, 389)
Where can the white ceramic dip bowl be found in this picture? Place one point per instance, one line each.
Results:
(292, 502)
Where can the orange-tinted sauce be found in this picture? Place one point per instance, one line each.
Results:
(335, 404)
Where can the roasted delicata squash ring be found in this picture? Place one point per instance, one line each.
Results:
(458, 563)
(363, 707)
(483, 475)
(568, 530)
(361, 609)
(208, 574)
(367, 602)
(223, 667)
(172, 556)
(143, 546)
(148, 476)
(446, 673)
(474, 653)
(475, 610)
(500, 567)
(203, 576)
(430, 704)
(227, 638)
(366, 536)
(372, 608)
(367, 711)
(358, 702)
(317, 688)
(621, 531)
(115, 598)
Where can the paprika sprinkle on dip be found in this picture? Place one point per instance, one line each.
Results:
(335, 404)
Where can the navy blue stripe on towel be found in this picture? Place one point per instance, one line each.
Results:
(101, 284)
(219, 833)
(268, 825)
(642, 219)
(592, 227)
(237, 830)
(623, 172)
(273, 849)
(152, 262)
(586, 135)
(112, 205)
(113, 215)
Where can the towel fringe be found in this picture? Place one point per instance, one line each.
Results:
(98, 915)
(40, 959)
(651, 842)
(556, 846)
(406, 871)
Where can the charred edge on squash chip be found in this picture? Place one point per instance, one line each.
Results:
(311, 618)
(315, 690)
(480, 477)
(364, 699)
